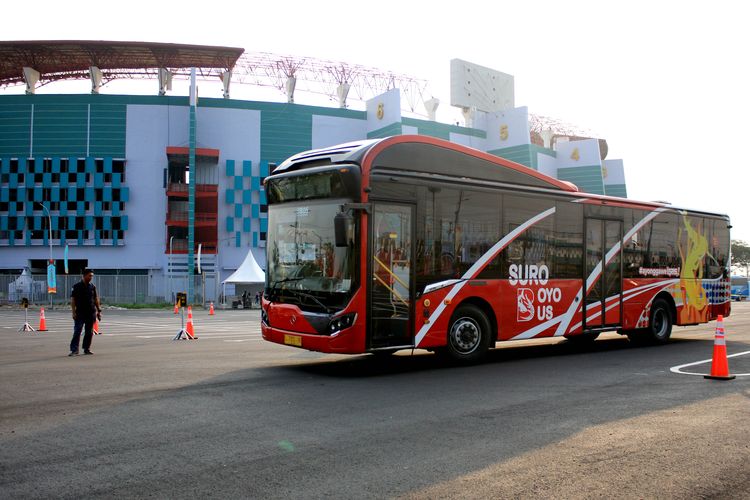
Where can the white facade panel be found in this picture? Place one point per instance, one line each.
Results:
(583, 153)
(409, 130)
(507, 129)
(331, 130)
(236, 134)
(613, 172)
(469, 141)
(384, 110)
(546, 164)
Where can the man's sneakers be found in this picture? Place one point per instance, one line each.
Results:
(73, 353)
(85, 352)
(88, 352)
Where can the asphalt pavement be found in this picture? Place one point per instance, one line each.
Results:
(231, 416)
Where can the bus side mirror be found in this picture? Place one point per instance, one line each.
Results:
(342, 228)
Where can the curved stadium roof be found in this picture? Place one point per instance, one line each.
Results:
(70, 59)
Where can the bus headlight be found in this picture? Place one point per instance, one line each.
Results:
(341, 323)
(264, 317)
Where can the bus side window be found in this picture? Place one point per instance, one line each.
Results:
(533, 246)
(568, 241)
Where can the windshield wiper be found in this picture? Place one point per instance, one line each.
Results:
(325, 308)
(286, 280)
(273, 291)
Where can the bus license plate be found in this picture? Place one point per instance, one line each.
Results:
(293, 340)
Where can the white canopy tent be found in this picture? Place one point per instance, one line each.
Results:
(248, 273)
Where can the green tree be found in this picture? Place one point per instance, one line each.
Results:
(741, 255)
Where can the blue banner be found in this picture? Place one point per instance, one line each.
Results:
(66, 259)
(51, 279)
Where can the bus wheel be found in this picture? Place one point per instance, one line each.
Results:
(659, 327)
(468, 336)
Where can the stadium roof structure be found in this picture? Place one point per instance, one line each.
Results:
(40, 62)
(71, 59)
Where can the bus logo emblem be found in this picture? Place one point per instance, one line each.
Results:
(525, 301)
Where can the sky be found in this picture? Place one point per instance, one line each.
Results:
(666, 83)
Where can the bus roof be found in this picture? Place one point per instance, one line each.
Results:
(437, 157)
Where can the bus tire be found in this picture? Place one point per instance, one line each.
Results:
(659, 326)
(468, 335)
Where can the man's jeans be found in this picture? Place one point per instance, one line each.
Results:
(88, 322)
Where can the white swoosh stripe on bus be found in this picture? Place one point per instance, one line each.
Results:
(532, 332)
(663, 284)
(474, 270)
(568, 317)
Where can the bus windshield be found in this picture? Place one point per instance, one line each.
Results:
(304, 264)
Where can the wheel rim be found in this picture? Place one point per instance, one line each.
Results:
(660, 323)
(465, 335)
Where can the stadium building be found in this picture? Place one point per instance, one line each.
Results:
(165, 186)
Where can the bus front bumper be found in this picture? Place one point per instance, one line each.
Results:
(349, 341)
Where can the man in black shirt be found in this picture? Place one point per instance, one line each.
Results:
(85, 304)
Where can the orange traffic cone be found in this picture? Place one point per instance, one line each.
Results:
(42, 321)
(176, 309)
(211, 310)
(719, 363)
(189, 328)
(96, 327)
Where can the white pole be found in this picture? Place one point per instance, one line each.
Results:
(169, 266)
(49, 237)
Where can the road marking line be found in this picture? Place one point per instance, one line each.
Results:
(201, 336)
(677, 369)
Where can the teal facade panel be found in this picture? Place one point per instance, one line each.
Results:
(619, 190)
(15, 128)
(387, 131)
(107, 130)
(588, 179)
(519, 154)
(60, 128)
(285, 131)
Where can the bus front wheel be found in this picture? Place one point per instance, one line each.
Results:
(468, 335)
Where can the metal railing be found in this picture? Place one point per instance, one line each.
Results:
(113, 289)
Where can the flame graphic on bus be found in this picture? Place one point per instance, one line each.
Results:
(525, 300)
(695, 307)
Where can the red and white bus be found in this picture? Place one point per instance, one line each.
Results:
(412, 242)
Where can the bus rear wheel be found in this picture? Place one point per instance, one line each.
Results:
(468, 335)
(659, 326)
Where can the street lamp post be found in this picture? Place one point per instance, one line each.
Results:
(49, 237)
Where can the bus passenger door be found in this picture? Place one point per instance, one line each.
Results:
(603, 304)
(391, 280)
